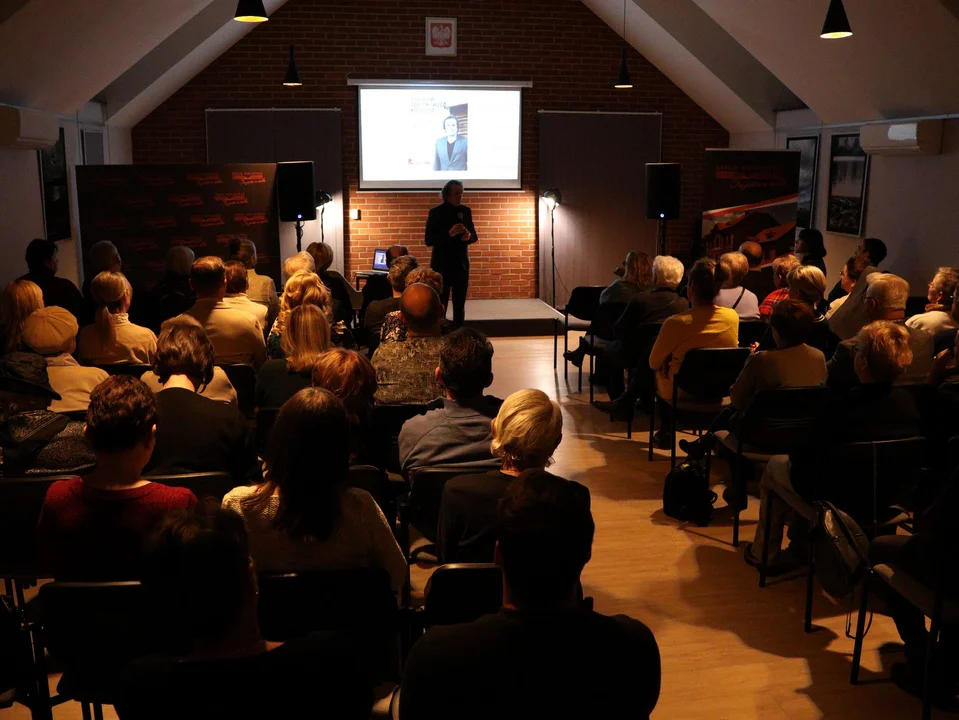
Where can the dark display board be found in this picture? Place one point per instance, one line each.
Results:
(146, 209)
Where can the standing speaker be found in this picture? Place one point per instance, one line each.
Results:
(294, 191)
(662, 191)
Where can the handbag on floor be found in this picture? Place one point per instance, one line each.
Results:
(686, 494)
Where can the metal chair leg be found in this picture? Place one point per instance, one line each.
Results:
(555, 342)
(767, 526)
(97, 711)
(565, 345)
(931, 647)
(85, 711)
(672, 436)
(860, 628)
(591, 349)
(810, 586)
(652, 425)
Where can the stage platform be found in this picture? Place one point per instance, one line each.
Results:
(520, 316)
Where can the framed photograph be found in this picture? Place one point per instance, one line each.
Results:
(441, 36)
(848, 174)
(54, 176)
(808, 164)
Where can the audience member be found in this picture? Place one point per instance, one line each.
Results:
(199, 577)
(705, 325)
(303, 288)
(782, 266)
(52, 333)
(628, 350)
(458, 431)
(19, 299)
(236, 336)
(406, 371)
(810, 249)
(941, 294)
(525, 432)
(869, 253)
(851, 316)
(377, 286)
(351, 377)
(873, 410)
(34, 440)
(196, 433)
(379, 309)
(339, 288)
(637, 279)
(237, 283)
(173, 295)
(806, 284)
(393, 328)
(261, 288)
(307, 337)
(848, 277)
(545, 654)
(759, 280)
(220, 388)
(104, 257)
(42, 265)
(733, 295)
(93, 528)
(302, 519)
(301, 262)
(885, 299)
(113, 338)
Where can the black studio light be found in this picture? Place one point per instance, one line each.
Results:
(837, 24)
(292, 77)
(322, 199)
(251, 11)
(553, 199)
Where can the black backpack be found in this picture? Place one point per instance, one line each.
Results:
(686, 495)
(841, 549)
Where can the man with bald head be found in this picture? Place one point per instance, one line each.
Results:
(759, 280)
(406, 371)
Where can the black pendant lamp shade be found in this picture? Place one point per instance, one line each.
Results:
(251, 11)
(623, 82)
(292, 77)
(837, 24)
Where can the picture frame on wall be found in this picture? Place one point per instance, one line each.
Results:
(848, 177)
(441, 36)
(54, 184)
(808, 147)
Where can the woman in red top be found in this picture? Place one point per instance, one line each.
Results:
(93, 528)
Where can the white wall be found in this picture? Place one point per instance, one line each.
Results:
(909, 200)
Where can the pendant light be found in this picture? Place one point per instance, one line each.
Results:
(292, 77)
(251, 11)
(622, 81)
(837, 24)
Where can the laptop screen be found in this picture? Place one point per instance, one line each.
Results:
(379, 260)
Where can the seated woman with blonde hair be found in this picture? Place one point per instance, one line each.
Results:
(307, 337)
(351, 377)
(393, 329)
(113, 338)
(304, 516)
(306, 288)
(19, 300)
(526, 432)
(732, 294)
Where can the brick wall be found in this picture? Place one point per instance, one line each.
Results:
(570, 55)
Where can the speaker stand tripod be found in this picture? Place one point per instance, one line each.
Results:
(299, 235)
(662, 235)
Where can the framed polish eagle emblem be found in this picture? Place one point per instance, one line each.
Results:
(441, 36)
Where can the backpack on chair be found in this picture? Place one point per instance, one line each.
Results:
(686, 495)
(841, 549)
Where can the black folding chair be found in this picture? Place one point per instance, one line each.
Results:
(638, 345)
(132, 369)
(461, 593)
(426, 495)
(387, 422)
(751, 331)
(775, 422)
(92, 630)
(265, 417)
(704, 377)
(601, 331)
(582, 306)
(243, 379)
(204, 484)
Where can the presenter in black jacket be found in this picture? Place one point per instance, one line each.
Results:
(449, 229)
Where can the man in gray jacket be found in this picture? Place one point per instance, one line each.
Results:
(457, 431)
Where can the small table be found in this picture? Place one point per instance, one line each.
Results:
(366, 275)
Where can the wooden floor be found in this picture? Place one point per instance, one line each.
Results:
(729, 649)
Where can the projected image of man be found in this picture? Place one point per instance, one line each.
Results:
(449, 229)
(452, 148)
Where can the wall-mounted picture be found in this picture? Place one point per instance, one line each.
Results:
(56, 194)
(808, 164)
(441, 36)
(848, 174)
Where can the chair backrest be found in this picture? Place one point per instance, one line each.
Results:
(463, 592)
(375, 481)
(855, 470)
(708, 373)
(243, 379)
(426, 494)
(606, 316)
(924, 396)
(132, 369)
(202, 484)
(751, 331)
(265, 417)
(952, 456)
(782, 420)
(388, 419)
(21, 500)
(583, 301)
(76, 415)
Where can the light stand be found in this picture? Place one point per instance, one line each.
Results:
(299, 233)
(322, 199)
(662, 233)
(553, 198)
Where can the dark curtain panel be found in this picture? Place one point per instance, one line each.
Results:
(598, 162)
